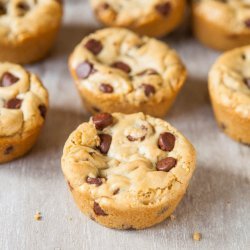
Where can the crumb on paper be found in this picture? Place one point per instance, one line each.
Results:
(70, 218)
(38, 216)
(197, 236)
(172, 217)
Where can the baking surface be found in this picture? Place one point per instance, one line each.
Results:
(217, 203)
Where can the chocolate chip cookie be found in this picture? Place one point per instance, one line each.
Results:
(23, 107)
(116, 70)
(229, 86)
(151, 17)
(222, 24)
(127, 171)
(28, 29)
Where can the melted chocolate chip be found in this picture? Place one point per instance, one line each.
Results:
(116, 191)
(166, 164)
(166, 141)
(104, 6)
(163, 8)
(84, 69)
(70, 187)
(94, 181)
(8, 79)
(8, 150)
(94, 46)
(22, 8)
(247, 23)
(102, 120)
(43, 110)
(131, 138)
(148, 89)
(122, 66)
(3, 10)
(98, 210)
(105, 143)
(247, 82)
(14, 103)
(106, 88)
(148, 72)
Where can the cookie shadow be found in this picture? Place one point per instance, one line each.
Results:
(212, 192)
(192, 100)
(69, 36)
(59, 124)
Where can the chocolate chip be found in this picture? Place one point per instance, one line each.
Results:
(22, 8)
(131, 138)
(116, 191)
(14, 103)
(163, 8)
(166, 141)
(166, 164)
(105, 143)
(43, 110)
(8, 150)
(98, 210)
(106, 88)
(3, 10)
(8, 79)
(247, 23)
(148, 72)
(122, 66)
(148, 89)
(96, 181)
(70, 187)
(94, 46)
(104, 6)
(95, 109)
(247, 82)
(223, 126)
(102, 120)
(84, 69)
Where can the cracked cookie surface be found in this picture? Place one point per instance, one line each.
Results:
(229, 85)
(222, 25)
(128, 168)
(116, 70)
(28, 28)
(23, 107)
(151, 17)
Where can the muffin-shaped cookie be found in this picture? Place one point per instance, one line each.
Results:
(23, 106)
(151, 17)
(229, 86)
(116, 70)
(127, 171)
(222, 24)
(28, 29)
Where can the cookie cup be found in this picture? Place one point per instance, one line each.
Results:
(154, 24)
(16, 146)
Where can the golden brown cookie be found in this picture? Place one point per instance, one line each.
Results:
(116, 70)
(127, 171)
(151, 17)
(23, 107)
(222, 24)
(229, 87)
(28, 29)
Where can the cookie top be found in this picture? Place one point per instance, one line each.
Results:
(232, 15)
(115, 62)
(133, 13)
(129, 160)
(20, 19)
(23, 101)
(229, 79)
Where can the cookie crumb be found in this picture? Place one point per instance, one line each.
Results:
(38, 216)
(172, 217)
(197, 236)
